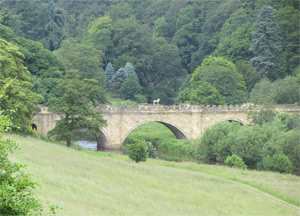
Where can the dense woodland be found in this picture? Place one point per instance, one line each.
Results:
(74, 54)
(192, 51)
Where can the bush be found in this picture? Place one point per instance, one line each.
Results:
(137, 151)
(278, 162)
(292, 148)
(16, 188)
(139, 98)
(235, 161)
(130, 87)
(214, 144)
(151, 150)
(175, 146)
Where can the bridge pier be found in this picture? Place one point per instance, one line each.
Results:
(185, 121)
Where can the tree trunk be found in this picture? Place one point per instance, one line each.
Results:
(68, 142)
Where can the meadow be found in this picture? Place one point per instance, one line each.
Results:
(96, 183)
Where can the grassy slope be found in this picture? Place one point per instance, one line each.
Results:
(94, 183)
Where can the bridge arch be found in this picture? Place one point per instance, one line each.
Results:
(242, 122)
(176, 130)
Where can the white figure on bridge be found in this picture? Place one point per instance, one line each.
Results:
(156, 101)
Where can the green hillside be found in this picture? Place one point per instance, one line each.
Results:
(95, 183)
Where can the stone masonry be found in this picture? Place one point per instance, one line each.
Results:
(185, 121)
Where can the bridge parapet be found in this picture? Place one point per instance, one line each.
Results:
(181, 107)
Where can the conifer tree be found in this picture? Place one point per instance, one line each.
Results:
(129, 69)
(265, 44)
(118, 79)
(109, 74)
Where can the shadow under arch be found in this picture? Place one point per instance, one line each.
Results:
(179, 134)
(102, 140)
(231, 120)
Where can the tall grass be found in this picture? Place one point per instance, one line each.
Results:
(94, 183)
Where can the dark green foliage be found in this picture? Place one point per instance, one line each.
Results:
(248, 143)
(204, 94)
(85, 59)
(160, 27)
(262, 93)
(137, 151)
(289, 33)
(221, 74)
(46, 69)
(278, 162)
(139, 98)
(235, 36)
(282, 91)
(265, 44)
(109, 74)
(6, 33)
(117, 80)
(251, 77)
(214, 144)
(100, 35)
(262, 117)
(292, 148)
(286, 91)
(130, 87)
(54, 26)
(235, 161)
(19, 95)
(166, 64)
(16, 187)
(74, 107)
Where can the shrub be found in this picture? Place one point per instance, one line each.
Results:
(137, 151)
(292, 148)
(235, 161)
(247, 142)
(151, 150)
(139, 98)
(16, 188)
(214, 144)
(278, 162)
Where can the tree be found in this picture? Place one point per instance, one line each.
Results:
(109, 74)
(16, 188)
(262, 93)
(221, 74)
(74, 107)
(250, 76)
(129, 69)
(84, 58)
(286, 91)
(137, 150)
(46, 69)
(186, 34)
(130, 87)
(235, 37)
(265, 44)
(166, 63)
(201, 93)
(54, 27)
(134, 41)
(19, 95)
(100, 34)
(289, 32)
(160, 27)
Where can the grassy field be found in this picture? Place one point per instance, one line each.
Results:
(95, 183)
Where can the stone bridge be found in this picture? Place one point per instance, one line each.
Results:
(185, 121)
